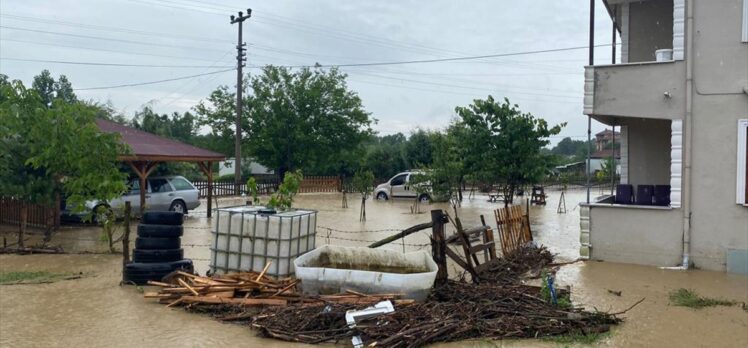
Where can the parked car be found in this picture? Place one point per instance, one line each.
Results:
(172, 193)
(400, 186)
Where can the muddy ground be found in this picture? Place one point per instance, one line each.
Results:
(95, 311)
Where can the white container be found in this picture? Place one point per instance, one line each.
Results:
(664, 55)
(334, 269)
(246, 239)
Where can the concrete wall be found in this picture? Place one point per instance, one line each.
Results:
(719, 100)
(648, 151)
(720, 75)
(655, 238)
(650, 27)
(638, 90)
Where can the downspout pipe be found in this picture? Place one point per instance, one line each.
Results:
(689, 137)
(688, 142)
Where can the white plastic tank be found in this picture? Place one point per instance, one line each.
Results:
(332, 269)
(246, 239)
(664, 55)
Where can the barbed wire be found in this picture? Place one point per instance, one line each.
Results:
(328, 237)
(195, 245)
(361, 231)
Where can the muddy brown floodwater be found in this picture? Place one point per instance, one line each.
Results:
(96, 312)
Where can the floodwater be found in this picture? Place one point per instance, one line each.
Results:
(96, 311)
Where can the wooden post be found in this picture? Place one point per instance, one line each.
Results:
(126, 237)
(142, 169)
(439, 245)
(24, 213)
(209, 171)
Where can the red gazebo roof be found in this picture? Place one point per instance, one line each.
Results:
(150, 147)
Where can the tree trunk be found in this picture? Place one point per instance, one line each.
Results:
(22, 223)
(362, 216)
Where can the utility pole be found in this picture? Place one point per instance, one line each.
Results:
(241, 57)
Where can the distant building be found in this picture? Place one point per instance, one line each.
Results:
(607, 144)
(227, 167)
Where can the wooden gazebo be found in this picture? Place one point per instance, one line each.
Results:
(148, 150)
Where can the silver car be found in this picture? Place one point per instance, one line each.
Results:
(399, 186)
(172, 193)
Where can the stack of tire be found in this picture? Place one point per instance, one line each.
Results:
(158, 249)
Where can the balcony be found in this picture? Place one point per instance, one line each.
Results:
(645, 90)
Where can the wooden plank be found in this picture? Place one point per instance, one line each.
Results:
(481, 247)
(237, 301)
(183, 283)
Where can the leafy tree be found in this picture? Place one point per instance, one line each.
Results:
(218, 112)
(418, 149)
(55, 149)
(607, 168)
(362, 183)
(283, 199)
(49, 89)
(304, 119)
(447, 170)
(504, 144)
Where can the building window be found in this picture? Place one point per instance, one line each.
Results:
(742, 182)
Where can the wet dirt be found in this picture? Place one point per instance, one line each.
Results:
(96, 312)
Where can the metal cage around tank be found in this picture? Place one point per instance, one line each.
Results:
(246, 239)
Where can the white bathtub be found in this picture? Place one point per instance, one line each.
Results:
(334, 269)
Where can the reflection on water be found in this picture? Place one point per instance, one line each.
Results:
(95, 311)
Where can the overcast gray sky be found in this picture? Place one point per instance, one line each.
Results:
(198, 34)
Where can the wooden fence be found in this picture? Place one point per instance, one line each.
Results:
(320, 184)
(267, 184)
(38, 215)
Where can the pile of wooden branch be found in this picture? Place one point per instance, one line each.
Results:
(246, 289)
(454, 311)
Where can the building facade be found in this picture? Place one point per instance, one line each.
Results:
(680, 98)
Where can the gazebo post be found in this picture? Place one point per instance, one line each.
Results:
(210, 188)
(206, 168)
(142, 169)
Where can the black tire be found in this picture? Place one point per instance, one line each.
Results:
(140, 273)
(178, 206)
(382, 196)
(160, 231)
(157, 243)
(163, 218)
(100, 212)
(163, 255)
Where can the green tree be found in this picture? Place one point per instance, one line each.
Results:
(363, 182)
(55, 149)
(418, 149)
(49, 89)
(504, 144)
(304, 119)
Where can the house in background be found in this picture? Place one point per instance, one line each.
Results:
(227, 167)
(680, 98)
(607, 145)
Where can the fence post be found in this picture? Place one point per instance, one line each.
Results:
(126, 239)
(439, 245)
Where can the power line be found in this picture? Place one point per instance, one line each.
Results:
(47, 21)
(153, 82)
(104, 50)
(440, 60)
(106, 38)
(114, 64)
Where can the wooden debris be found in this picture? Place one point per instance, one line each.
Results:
(247, 289)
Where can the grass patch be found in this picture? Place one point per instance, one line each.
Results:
(34, 277)
(689, 298)
(578, 338)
